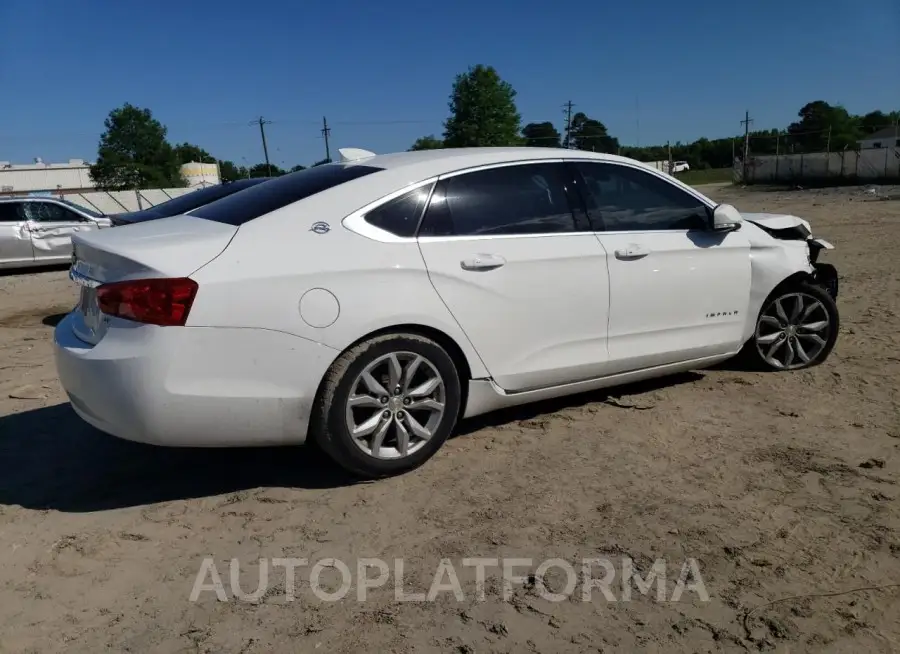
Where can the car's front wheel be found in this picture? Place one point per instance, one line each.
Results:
(387, 405)
(796, 328)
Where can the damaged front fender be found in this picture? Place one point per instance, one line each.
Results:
(773, 260)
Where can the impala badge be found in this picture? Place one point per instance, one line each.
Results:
(320, 228)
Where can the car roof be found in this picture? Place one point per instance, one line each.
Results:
(30, 198)
(437, 162)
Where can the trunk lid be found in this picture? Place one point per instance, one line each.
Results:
(169, 247)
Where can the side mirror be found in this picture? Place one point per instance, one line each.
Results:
(726, 218)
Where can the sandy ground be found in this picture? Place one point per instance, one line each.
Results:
(784, 488)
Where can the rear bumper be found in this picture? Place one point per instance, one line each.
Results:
(193, 386)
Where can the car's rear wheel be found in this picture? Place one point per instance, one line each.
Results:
(796, 328)
(387, 405)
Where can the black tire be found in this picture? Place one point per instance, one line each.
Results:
(751, 353)
(329, 427)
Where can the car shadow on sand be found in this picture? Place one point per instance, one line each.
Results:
(51, 459)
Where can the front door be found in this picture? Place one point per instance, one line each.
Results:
(51, 226)
(526, 283)
(678, 291)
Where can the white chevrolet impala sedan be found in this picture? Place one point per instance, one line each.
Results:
(370, 304)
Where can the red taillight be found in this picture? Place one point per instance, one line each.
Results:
(152, 301)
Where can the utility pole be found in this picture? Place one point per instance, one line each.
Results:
(746, 123)
(326, 132)
(669, 154)
(637, 118)
(828, 141)
(568, 107)
(262, 132)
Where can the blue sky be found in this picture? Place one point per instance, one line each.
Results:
(382, 71)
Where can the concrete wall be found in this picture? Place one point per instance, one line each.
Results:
(821, 167)
(75, 176)
(122, 201)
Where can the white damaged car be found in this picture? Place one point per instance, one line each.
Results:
(370, 304)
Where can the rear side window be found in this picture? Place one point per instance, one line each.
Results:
(510, 200)
(274, 194)
(401, 215)
(9, 212)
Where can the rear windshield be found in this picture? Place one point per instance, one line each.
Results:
(194, 199)
(265, 198)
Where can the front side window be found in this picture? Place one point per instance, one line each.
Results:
(622, 198)
(401, 215)
(510, 200)
(82, 209)
(49, 212)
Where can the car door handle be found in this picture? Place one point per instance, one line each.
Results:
(632, 251)
(482, 262)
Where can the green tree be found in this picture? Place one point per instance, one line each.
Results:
(822, 126)
(265, 170)
(482, 111)
(134, 154)
(188, 152)
(429, 142)
(297, 167)
(319, 163)
(589, 134)
(541, 135)
(228, 172)
(876, 120)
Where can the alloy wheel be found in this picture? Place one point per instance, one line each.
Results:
(793, 331)
(395, 405)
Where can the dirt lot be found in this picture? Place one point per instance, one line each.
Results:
(784, 488)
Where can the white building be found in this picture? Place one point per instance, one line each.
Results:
(16, 179)
(199, 175)
(41, 178)
(889, 137)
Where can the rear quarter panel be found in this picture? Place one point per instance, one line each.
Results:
(272, 262)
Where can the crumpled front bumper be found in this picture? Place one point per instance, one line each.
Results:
(826, 276)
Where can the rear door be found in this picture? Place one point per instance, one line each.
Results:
(522, 274)
(15, 239)
(51, 226)
(678, 291)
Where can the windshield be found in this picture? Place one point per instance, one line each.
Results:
(193, 199)
(85, 210)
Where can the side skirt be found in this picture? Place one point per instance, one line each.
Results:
(485, 396)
